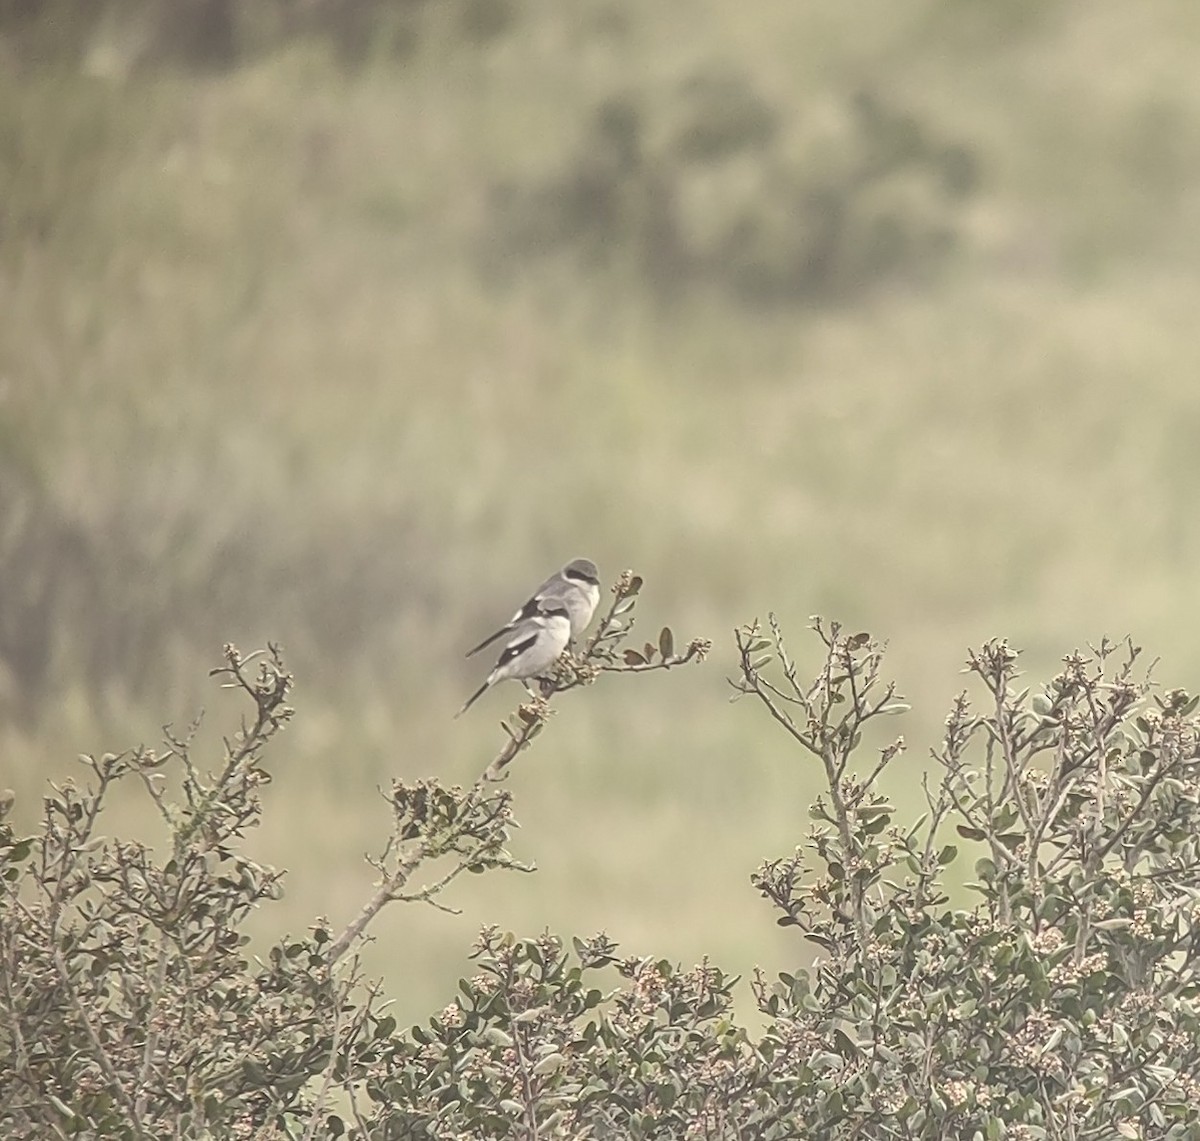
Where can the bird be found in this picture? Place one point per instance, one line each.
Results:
(577, 586)
(532, 648)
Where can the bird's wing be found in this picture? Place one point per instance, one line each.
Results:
(489, 640)
(528, 609)
(524, 639)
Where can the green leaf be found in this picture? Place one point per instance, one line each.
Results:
(666, 642)
(532, 1014)
(871, 811)
(947, 854)
(549, 1064)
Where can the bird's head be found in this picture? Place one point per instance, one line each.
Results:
(582, 570)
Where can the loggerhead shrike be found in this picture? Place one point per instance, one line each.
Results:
(532, 648)
(576, 586)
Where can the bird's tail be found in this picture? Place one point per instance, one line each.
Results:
(488, 641)
(474, 697)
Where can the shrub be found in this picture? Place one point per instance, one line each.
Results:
(1062, 1004)
(706, 188)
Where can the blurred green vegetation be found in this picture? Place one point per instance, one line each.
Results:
(345, 327)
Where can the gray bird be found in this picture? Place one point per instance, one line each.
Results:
(577, 586)
(534, 645)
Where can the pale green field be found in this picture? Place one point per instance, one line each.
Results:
(245, 341)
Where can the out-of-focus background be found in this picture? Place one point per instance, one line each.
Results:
(343, 322)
